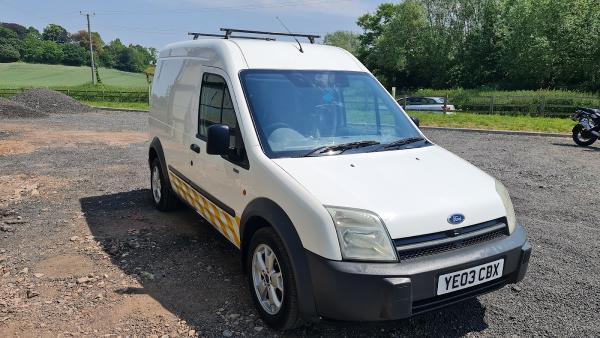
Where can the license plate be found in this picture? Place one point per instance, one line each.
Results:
(467, 278)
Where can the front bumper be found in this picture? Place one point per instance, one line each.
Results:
(359, 291)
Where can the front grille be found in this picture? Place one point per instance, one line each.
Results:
(431, 244)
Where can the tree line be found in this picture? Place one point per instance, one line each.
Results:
(55, 45)
(495, 44)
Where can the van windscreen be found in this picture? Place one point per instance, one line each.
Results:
(298, 112)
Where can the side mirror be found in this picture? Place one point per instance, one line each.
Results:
(415, 120)
(217, 142)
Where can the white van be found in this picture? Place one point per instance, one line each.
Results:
(341, 208)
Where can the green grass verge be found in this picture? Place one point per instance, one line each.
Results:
(496, 122)
(122, 105)
(18, 74)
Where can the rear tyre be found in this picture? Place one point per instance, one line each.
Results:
(271, 280)
(163, 197)
(583, 137)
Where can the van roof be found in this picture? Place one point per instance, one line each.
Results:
(236, 54)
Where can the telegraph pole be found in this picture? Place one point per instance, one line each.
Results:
(87, 16)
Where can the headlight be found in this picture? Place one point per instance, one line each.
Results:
(511, 218)
(362, 235)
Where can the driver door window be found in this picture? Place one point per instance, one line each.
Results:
(216, 107)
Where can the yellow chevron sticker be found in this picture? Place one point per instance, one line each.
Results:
(226, 224)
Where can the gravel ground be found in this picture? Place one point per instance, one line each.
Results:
(12, 109)
(83, 253)
(50, 101)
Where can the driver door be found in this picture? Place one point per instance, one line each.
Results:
(219, 179)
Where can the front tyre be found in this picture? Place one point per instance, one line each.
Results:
(163, 197)
(583, 137)
(271, 280)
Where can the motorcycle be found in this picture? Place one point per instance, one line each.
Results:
(587, 130)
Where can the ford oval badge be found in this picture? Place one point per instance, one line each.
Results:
(456, 219)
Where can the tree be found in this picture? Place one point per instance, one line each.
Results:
(154, 53)
(32, 31)
(55, 33)
(145, 56)
(134, 58)
(130, 60)
(74, 55)
(31, 49)
(52, 52)
(149, 72)
(343, 39)
(9, 45)
(18, 29)
(55, 45)
(107, 57)
(83, 38)
(41, 51)
(373, 25)
(512, 44)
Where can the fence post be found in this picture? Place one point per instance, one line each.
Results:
(394, 92)
(492, 105)
(542, 105)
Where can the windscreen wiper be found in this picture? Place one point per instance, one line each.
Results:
(403, 142)
(340, 148)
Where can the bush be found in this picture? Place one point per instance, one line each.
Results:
(41, 51)
(31, 49)
(9, 54)
(9, 45)
(73, 55)
(52, 52)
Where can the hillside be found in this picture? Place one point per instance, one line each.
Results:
(19, 74)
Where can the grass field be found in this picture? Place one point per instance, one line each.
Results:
(18, 74)
(142, 106)
(496, 122)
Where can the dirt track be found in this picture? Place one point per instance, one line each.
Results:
(83, 253)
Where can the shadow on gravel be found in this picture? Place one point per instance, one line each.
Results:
(566, 145)
(193, 272)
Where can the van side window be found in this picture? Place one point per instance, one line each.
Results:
(211, 102)
(215, 107)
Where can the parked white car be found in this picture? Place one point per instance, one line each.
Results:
(341, 208)
(432, 104)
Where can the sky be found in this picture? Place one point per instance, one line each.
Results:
(155, 23)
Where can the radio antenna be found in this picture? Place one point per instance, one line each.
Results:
(288, 30)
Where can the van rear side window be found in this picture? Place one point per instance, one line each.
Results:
(215, 104)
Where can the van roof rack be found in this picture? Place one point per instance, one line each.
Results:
(229, 31)
(196, 35)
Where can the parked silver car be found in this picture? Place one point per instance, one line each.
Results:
(434, 104)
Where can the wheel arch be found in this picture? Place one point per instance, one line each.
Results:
(263, 212)
(156, 151)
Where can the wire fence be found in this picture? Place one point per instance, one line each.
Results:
(89, 95)
(540, 106)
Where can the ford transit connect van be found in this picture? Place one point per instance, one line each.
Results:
(341, 208)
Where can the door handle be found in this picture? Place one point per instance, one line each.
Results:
(195, 148)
